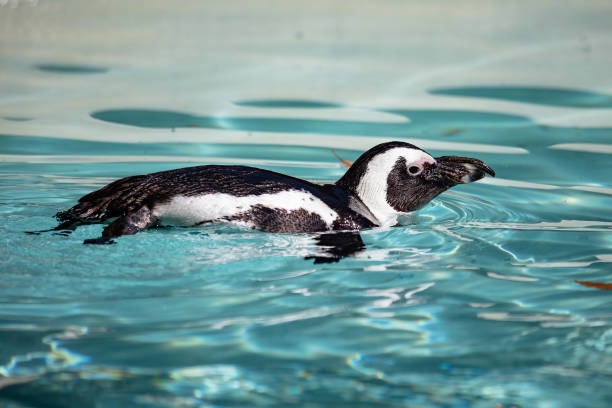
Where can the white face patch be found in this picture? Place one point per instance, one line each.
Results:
(372, 188)
(187, 211)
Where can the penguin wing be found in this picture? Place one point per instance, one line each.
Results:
(129, 194)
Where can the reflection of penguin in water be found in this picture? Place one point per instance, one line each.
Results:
(387, 180)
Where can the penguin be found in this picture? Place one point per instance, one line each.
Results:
(387, 180)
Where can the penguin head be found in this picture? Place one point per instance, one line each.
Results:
(397, 177)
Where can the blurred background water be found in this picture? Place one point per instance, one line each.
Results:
(472, 302)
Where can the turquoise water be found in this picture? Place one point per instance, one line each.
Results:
(472, 301)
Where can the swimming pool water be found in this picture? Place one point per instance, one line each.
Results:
(496, 294)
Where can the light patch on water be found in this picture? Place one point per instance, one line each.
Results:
(530, 317)
(356, 362)
(604, 258)
(375, 268)
(289, 275)
(562, 371)
(279, 319)
(373, 255)
(63, 179)
(343, 113)
(563, 225)
(593, 189)
(447, 231)
(302, 291)
(512, 254)
(502, 56)
(393, 295)
(511, 277)
(207, 382)
(481, 305)
(227, 136)
(540, 186)
(584, 147)
(516, 183)
(389, 296)
(18, 158)
(226, 371)
(40, 362)
(420, 288)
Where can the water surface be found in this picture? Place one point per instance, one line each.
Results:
(493, 295)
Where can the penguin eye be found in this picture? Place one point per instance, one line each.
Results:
(415, 170)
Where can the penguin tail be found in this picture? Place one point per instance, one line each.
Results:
(77, 213)
(112, 200)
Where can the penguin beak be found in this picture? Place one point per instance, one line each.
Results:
(460, 170)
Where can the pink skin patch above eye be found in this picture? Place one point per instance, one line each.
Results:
(421, 162)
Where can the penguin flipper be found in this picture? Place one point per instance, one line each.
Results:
(128, 224)
(337, 245)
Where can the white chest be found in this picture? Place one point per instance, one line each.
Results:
(192, 210)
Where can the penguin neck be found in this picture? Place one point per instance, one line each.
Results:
(355, 203)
